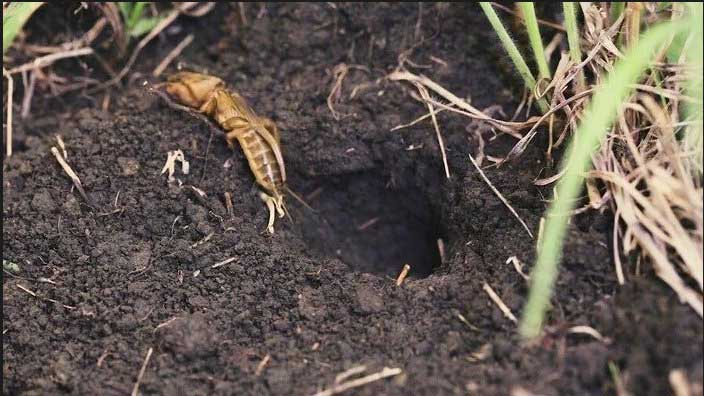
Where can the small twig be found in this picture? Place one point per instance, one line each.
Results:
(28, 93)
(349, 373)
(424, 94)
(221, 263)
(83, 41)
(518, 266)
(466, 322)
(243, 16)
(339, 73)
(417, 120)
(262, 365)
(228, 203)
(463, 107)
(47, 60)
(198, 191)
(617, 256)
(172, 55)
(51, 300)
(313, 195)
(61, 143)
(207, 154)
(501, 197)
(168, 322)
(441, 250)
(143, 43)
(198, 12)
(10, 89)
(367, 224)
(402, 276)
(679, 383)
(339, 388)
(202, 241)
(72, 175)
(586, 330)
(553, 25)
(105, 106)
(101, 358)
(497, 300)
(135, 389)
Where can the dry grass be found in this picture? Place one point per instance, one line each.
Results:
(41, 58)
(648, 169)
(643, 171)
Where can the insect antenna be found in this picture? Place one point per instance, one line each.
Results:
(288, 214)
(299, 199)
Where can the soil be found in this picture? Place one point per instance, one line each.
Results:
(100, 286)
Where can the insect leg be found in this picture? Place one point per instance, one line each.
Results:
(232, 135)
(270, 126)
(270, 203)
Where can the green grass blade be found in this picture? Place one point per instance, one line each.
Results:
(144, 26)
(13, 18)
(136, 14)
(125, 9)
(598, 117)
(536, 41)
(512, 51)
(694, 88)
(616, 9)
(573, 39)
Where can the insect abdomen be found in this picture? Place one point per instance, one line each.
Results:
(261, 160)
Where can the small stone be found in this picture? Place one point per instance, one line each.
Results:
(190, 337)
(10, 266)
(198, 301)
(129, 166)
(42, 202)
(204, 229)
(71, 206)
(281, 325)
(424, 348)
(25, 168)
(368, 299)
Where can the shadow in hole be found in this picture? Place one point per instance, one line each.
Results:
(372, 228)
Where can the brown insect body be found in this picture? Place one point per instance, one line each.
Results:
(257, 136)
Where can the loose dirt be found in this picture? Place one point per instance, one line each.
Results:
(319, 296)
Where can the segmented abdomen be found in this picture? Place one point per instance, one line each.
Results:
(261, 160)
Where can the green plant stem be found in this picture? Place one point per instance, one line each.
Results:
(536, 41)
(598, 118)
(512, 51)
(573, 40)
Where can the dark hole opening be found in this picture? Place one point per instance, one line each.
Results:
(373, 228)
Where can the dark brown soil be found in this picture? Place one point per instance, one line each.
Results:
(319, 296)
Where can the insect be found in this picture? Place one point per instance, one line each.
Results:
(257, 136)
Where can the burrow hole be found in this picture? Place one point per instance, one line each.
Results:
(371, 227)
